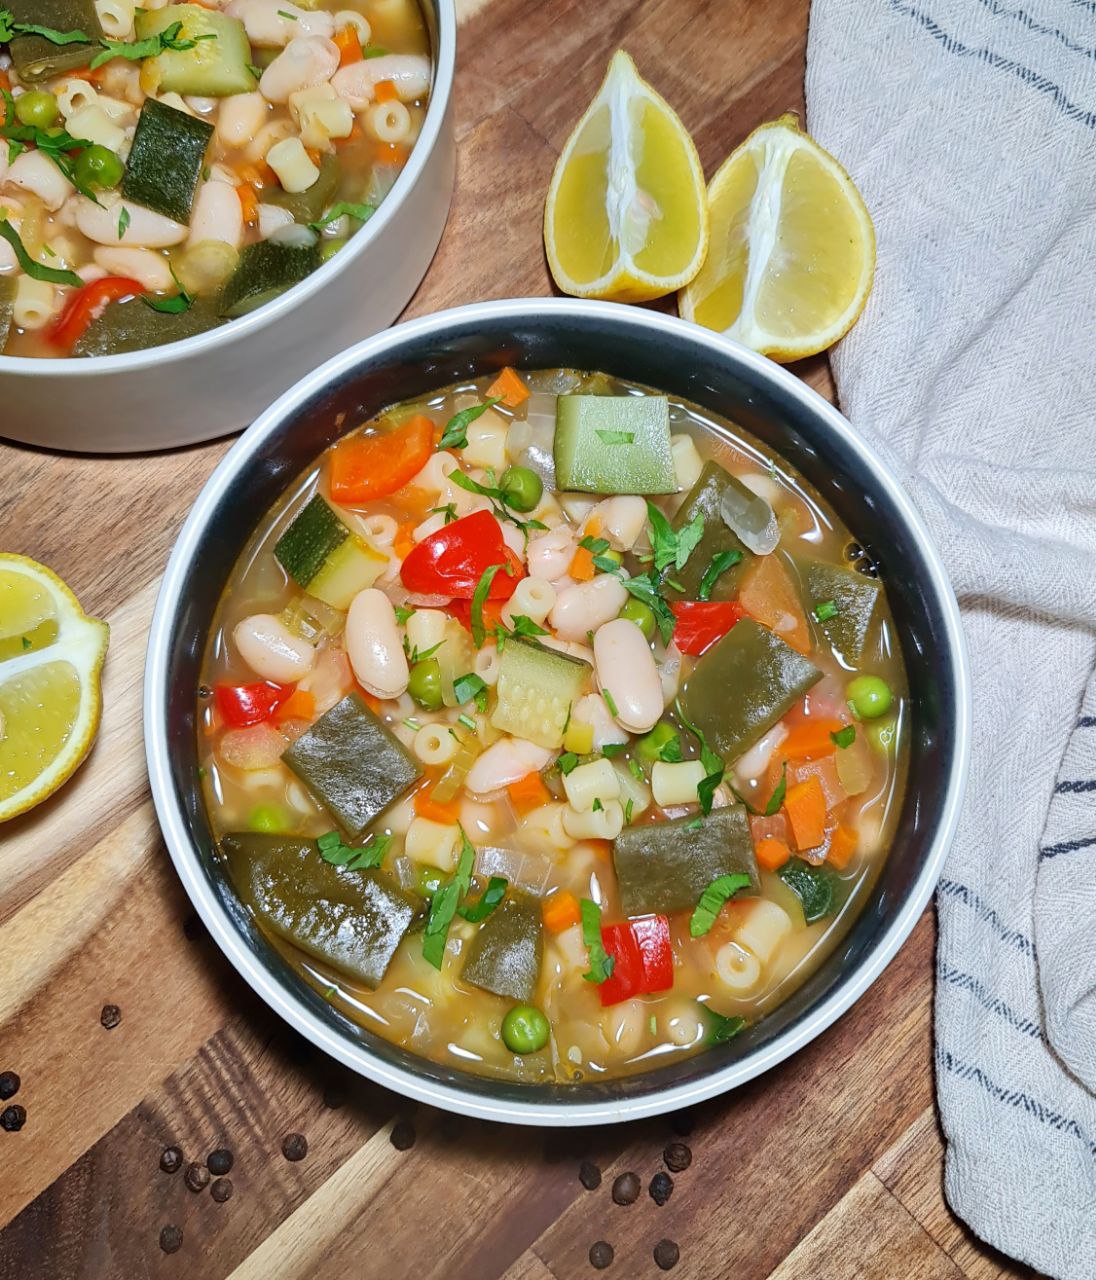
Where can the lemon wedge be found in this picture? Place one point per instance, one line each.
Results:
(626, 217)
(792, 250)
(51, 654)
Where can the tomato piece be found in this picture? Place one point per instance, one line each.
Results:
(769, 596)
(452, 561)
(366, 467)
(700, 623)
(643, 960)
(242, 705)
(87, 305)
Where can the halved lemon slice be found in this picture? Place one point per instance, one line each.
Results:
(51, 654)
(626, 218)
(792, 251)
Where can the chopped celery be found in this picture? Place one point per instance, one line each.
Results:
(312, 619)
(455, 659)
(537, 687)
(449, 785)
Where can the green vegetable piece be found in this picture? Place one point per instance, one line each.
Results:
(869, 697)
(307, 206)
(536, 689)
(613, 444)
(641, 614)
(269, 818)
(882, 735)
(351, 920)
(132, 326)
(37, 58)
(215, 67)
(855, 601)
(319, 552)
(166, 159)
(525, 1029)
(666, 866)
(424, 684)
(712, 899)
(352, 764)
(427, 879)
(662, 743)
(720, 1027)
(98, 166)
(704, 499)
(521, 488)
(266, 269)
(817, 888)
(743, 685)
(37, 108)
(504, 956)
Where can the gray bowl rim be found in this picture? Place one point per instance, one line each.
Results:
(358, 1057)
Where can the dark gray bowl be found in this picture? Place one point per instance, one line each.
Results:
(685, 361)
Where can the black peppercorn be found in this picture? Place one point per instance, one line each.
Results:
(196, 1177)
(219, 1162)
(171, 1239)
(403, 1135)
(221, 1190)
(110, 1016)
(13, 1118)
(589, 1175)
(171, 1160)
(9, 1085)
(677, 1156)
(601, 1254)
(626, 1188)
(661, 1188)
(295, 1146)
(666, 1255)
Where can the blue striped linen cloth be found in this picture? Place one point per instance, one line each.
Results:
(970, 127)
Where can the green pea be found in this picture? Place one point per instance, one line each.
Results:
(427, 879)
(98, 166)
(869, 697)
(521, 488)
(268, 818)
(882, 735)
(641, 614)
(425, 683)
(650, 746)
(37, 108)
(329, 248)
(525, 1029)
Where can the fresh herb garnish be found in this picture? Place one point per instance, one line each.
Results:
(712, 899)
(636, 770)
(499, 501)
(9, 29)
(673, 547)
(152, 47)
(595, 546)
(360, 212)
(469, 687)
(714, 768)
(646, 588)
(629, 805)
(467, 721)
(601, 963)
(720, 1027)
(257, 72)
(479, 599)
(449, 511)
(56, 144)
(597, 806)
(413, 655)
(443, 905)
(123, 221)
(567, 762)
(615, 437)
(609, 702)
(670, 751)
(488, 901)
(283, 13)
(373, 51)
(525, 626)
(33, 268)
(694, 824)
(173, 306)
(721, 562)
(815, 887)
(825, 611)
(371, 854)
(413, 724)
(455, 435)
(611, 749)
(844, 737)
(402, 614)
(779, 792)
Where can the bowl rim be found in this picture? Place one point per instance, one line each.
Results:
(441, 89)
(359, 1057)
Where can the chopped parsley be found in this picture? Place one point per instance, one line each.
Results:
(601, 963)
(720, 1027)
(825, 611)
(721, 562)
(34, 268)
(597, 806)
(815, 887)
(714, 767)
(152, 47)
(615, 437)
(712, 899)
(455, 435)
(467, 721)
(371, 854)
(567, 762)
(469, 687)
(694, 824)
(443, 905)
(670, 546)
(609, 702)
(479, 599)
(359, 212)
(595, 546)
(403, 614)
(488, 901)
(449, 511)
(844, 737)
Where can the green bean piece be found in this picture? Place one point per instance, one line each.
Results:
(525, 1029)
(641, 614)
(521, 488)
(425, 684)
(869, 697)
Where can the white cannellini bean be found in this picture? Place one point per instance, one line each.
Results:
(506, 761)
(271, 24)
(217, 215)
(409, 72)
(587, 605)
(674, 784)
(143, 265)
(304, 62)
(762, 928)
(626, 669)
(622, 519)
(271, 218)
(33, 171)
(687, 461)
(589, 782)
(146, 229)
(591, 709)
(374, 645)
(669, 673)
(754, 763)
(605, 823)
(549, 556)
(240, 118)
(271, 650)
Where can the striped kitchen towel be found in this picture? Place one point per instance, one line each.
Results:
(970, 127)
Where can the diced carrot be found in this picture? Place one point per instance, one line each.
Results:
(426, 806)
(600, 848)
(391, 153)
(370, 699)
(582, 565)
(249, 203)
(528, 793)
(300, 705)
(561, 910)
(349, 46)
(403, 542)
(769, 596)
(509, 387)
(805, 805)
(810, 740)
(772, 853)
(385, 91)
(825, 770)
(842, 847)
(365, 467)
(257, 175)
(355, 135)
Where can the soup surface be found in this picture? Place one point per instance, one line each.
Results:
(551, 728)
(182, 164)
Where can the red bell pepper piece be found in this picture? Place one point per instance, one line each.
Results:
(700, 623)
(452, 561)
(644, 962)
(88, 304)
(365, 467)
(241, 705)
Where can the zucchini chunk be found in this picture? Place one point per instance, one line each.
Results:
(37, 58)
(705, 499)
(743, 685)
(351, 920)
(504, 956)
(352, 764)
(308, 205)
(133, 326)
(536, 689)
(665, 867)
(613, 444)
(166, 159)
(321, 554)
(855, 598)
(215, 67)
(266, 269)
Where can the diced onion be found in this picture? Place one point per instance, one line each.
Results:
(294, 235)
(752, 519)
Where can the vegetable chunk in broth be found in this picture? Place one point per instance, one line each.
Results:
(553, 784)
(166, 168)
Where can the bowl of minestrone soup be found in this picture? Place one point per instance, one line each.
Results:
(555, 711)
(201, 202)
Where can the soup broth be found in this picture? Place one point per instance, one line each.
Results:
(614, 823)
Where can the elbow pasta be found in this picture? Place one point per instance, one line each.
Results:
(33, 305)
(589, 782)
(432, 842)
(116, 18)
(435, 745)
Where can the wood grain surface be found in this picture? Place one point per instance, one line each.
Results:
(830, 1166)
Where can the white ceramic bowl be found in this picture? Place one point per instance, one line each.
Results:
(219, 381)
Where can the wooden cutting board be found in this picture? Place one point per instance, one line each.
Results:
(828, 1167)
